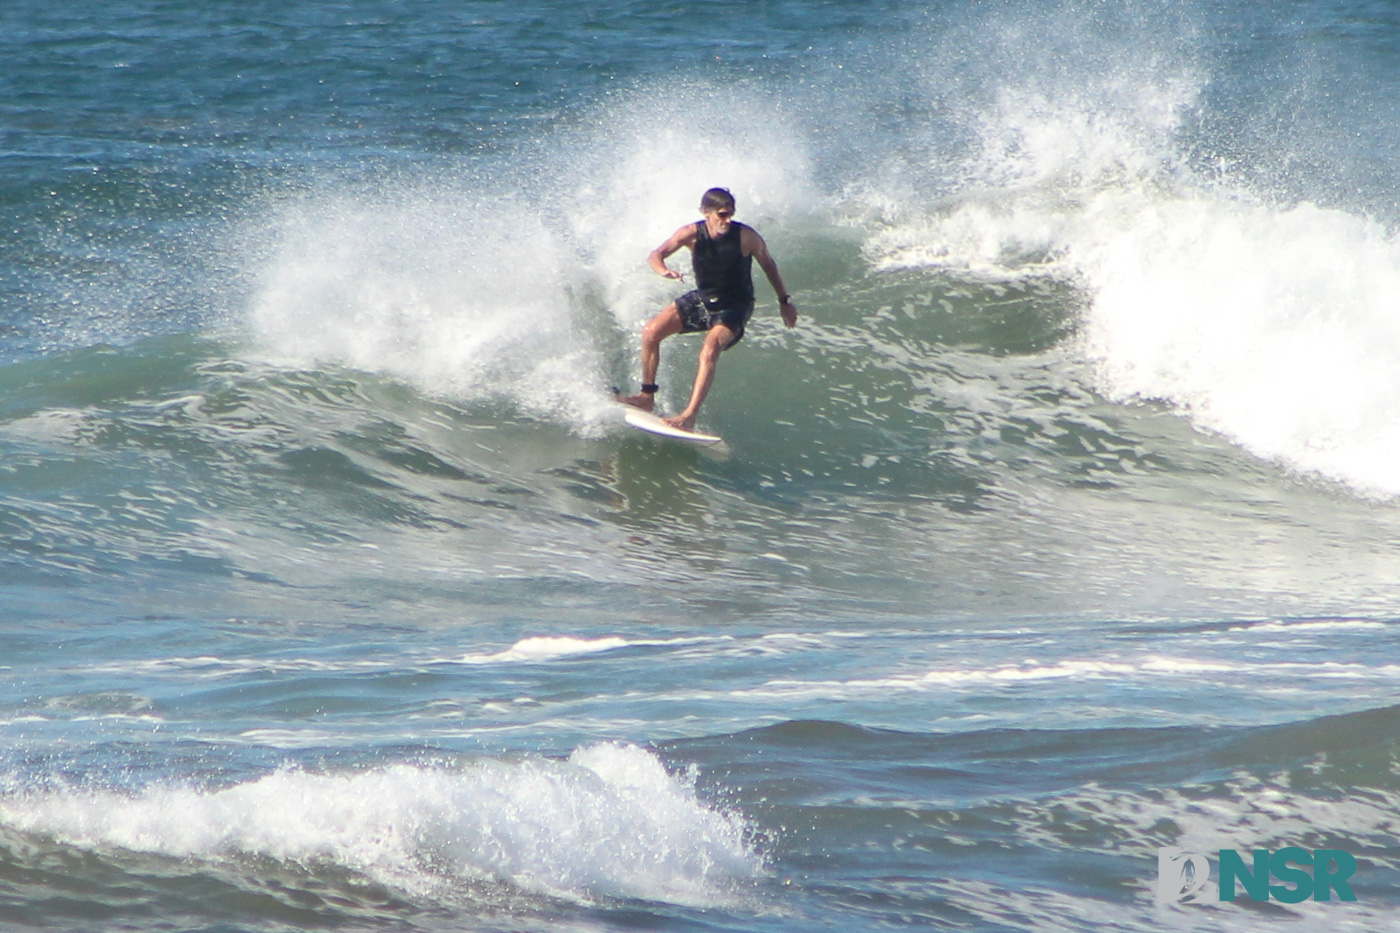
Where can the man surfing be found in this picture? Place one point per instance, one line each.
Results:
(722, 252)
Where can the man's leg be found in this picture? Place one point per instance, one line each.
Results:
(718, 337)
(666, 324)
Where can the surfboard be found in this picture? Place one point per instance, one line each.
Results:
(646, 421)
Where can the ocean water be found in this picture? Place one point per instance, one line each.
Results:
(1064, 528)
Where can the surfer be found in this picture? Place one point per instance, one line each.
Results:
(722, 252)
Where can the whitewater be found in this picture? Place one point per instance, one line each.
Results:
(1061, 530)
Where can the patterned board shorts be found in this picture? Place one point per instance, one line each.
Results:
(701, 310)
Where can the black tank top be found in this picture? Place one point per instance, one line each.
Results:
(721, 266)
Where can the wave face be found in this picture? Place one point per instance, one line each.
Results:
(333, 594)
(607, 823)
(1213, 275)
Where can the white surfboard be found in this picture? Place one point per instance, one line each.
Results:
(646, 421)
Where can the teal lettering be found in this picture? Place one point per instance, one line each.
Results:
(1256, 884)
(1324, 880)
(1278, 865)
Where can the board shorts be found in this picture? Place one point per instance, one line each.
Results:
(702, 310)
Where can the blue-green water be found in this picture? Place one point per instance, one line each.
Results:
(1062, 528)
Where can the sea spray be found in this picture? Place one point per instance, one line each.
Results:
(638, 171)
(609, 821)
(524, 282)
(461, 295)
(1272, 327)
(1268, 323)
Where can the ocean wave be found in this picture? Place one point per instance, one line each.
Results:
(209, 667)
(551, 648)
(1262, 319)
(1115, 671)
(609, 822)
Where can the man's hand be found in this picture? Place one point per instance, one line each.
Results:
(789, 312)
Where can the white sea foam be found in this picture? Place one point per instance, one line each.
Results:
(209, 667)
(650, 158)
(1031, 671)
(456, 292)
(546, 648)
(515, 285)
(608, 822)
(554, 647)
(1273, 327)
(1269, 323)
(1310, 625)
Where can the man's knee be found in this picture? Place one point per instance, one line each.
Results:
(664, 325)
(716, 340)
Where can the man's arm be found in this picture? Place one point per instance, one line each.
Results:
(685, 236)
(755, 247)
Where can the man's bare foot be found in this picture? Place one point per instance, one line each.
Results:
(679, 421)
(641, 400)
